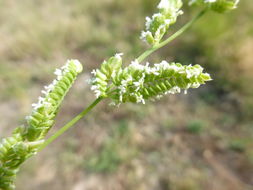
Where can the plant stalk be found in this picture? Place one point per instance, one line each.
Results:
(70, 123)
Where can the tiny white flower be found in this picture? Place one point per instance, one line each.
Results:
(58, 72)
(118, 55)
(94, 87)
(195, 85)
(144, 35)
(41, 99)
(158, 97)
(148, 22)
(97, 93)
(120, 98)
(122, 89)
(139, 99)
(78, 65)
(136, 65)
(164, 4)
(210, 1)
(44, 92)
(167, 21)
(94, 72)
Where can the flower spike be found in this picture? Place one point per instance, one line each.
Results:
(44, 112)
(159, 23)
(138, 83)
(27, 139)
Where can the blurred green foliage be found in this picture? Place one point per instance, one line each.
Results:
(115, 150)
(195, 126)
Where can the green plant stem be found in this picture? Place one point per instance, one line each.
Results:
(70, 123)
(171, 38)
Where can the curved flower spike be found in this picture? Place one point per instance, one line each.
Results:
(138, 83)
(26, 140)
(44, 112)
(158, 24)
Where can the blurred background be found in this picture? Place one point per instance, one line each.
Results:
(202, 140)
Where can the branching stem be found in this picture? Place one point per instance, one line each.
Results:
(70, 124)
(140, 59)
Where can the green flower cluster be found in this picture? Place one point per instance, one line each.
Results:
(44, 112)
(158, 24)
(220, 6)
(14, 151)
(102, 77)
(26, 140)
(138, 83)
